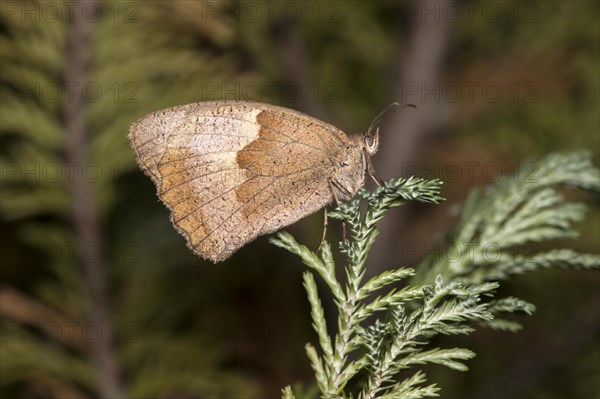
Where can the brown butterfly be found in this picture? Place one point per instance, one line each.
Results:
(230, 171)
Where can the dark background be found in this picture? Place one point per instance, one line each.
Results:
(99, 295)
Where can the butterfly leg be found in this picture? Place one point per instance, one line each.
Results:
(325, 221)
(371, 170)
(334, 189)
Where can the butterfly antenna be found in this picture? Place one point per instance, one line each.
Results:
(372, 138)
(390, 109)
(393, 107)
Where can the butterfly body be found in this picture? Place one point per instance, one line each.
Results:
(230, 171)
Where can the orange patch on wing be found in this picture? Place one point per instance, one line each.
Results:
(258, 155)
(178, 194)
(251, 195)
(257, 149)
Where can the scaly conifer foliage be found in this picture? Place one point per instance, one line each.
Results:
(379, 333)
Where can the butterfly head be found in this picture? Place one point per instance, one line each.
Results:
(349, 175)
(371, 137)
(371, 142)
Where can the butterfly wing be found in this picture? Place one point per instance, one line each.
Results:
(149, 134)
(232, 171)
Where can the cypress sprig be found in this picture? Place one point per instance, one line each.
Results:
(523, 208)
(375, 348)
(383, 330)
(518, 210)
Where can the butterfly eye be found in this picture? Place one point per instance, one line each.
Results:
(371, 142)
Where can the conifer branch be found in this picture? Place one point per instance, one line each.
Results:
(84, 212)
(356, 302)
(448, 297)
(518, 210)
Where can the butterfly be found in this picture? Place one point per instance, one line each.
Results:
(231, 171)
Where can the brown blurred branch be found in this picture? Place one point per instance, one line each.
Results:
(84, 212)
(297, 66)
(22, 309)
(420, 65)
